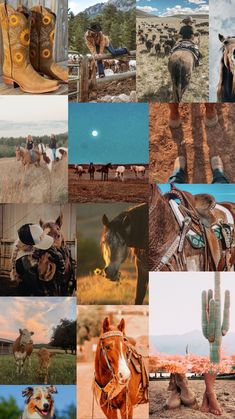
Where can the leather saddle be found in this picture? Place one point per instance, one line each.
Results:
(188, 46)
(138, 362)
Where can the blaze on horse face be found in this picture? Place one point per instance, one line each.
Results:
(53, 229)
(113, 245)
(115, 348)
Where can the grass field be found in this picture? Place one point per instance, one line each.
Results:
(153, 78)
(35, 185)
(62, 370)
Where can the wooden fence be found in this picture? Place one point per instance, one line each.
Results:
(87, 83)
(60, 7)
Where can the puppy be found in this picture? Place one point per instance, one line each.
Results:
(39, 403)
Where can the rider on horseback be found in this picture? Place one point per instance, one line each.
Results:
(187, 35)
(53, 145)
(30, 146)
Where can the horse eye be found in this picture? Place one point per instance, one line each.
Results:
(107, 347)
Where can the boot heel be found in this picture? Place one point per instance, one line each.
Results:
(10, 82)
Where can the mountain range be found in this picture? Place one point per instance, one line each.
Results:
(122, 5)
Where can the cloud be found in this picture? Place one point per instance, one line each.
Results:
(179, 10)
(197, 1)
(148, 9)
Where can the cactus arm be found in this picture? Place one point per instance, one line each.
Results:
(225, 325)
(204, 315)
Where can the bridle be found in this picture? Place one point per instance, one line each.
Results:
(109, 388)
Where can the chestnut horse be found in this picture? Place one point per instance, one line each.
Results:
(117, 384)
(67, 282)
(171, 248)
(128, 230)
(27, 158)
(181, 65)
(211, 117)
(226, 85)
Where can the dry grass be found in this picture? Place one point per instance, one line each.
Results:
(35, 185)
(96, 289)
(153, 78)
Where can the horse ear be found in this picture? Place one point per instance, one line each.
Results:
(106, 325)
(41, 222)
(126, 222)
(21, 331)
(121, 325)
(59, 220)
(221, 37)
(105, 220)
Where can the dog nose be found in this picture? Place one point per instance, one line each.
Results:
(45, 406)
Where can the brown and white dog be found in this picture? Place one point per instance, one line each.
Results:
(39, 403)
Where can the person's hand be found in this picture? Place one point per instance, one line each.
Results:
(97, 56)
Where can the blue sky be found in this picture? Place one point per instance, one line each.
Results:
(122, 133)
(219, 191)
(171, 7)
(66, 395)
(79, 5)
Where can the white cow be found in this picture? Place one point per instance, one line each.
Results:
(120, 170)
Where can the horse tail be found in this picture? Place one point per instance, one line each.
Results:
(178, 74)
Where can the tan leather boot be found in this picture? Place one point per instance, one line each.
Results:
(187, 396)
(17, 70)
(42, 44)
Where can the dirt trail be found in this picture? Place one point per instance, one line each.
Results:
(85, 374)
(193, 140)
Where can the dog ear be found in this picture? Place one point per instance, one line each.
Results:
(59, 220)
(27, 392)
(52, 389)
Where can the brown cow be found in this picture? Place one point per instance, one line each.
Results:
(44, 356)
(22, 349)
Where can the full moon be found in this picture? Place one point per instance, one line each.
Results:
(94, 133)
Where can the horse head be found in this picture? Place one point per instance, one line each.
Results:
(229, 54)
(53, 229)
(18, 153)
(113, 244)
(112, 351)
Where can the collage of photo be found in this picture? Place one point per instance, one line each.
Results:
(117, 178)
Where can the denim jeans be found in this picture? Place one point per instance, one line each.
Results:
(179, 176)
(54, 153)
(114, 51)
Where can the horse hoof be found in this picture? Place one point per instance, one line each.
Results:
(174, 123)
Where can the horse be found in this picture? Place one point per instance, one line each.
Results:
(138, 170)
(118, 384)
(104, 170)
(120, 170)
(181, 65)
(226, 85)
(211, 117)
(28, 157)
(91, 171)
(65, 284)
(129, 229)
(22, 349)
(79, 170)
(196, 235)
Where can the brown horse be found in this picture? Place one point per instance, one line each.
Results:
(226, 85)
(190, 244)
(27, 158)
(67, 280)
(181, 65)
(129, 229)
(117, 384)
(211, 117)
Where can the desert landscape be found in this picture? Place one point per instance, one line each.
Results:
(153, 78)
(35, 184)
(225, 390)
(196, 142)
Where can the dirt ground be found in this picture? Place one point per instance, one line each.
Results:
(153, 78)
(85, 374)
(113, 88)
(193, 140)
(84, 190)
(225, 390)
(35, 184)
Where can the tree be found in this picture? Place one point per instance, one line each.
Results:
(9, 408)
(68, 413)
(64, 335)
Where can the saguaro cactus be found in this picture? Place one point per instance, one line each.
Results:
(211, 319)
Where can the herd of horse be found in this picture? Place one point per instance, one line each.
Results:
(163, 41)
(104, 169)
(39, 154)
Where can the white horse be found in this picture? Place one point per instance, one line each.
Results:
(120, 170)
(79, 170)
(138, 170)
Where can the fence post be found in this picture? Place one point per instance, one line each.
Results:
(84, 80)
(93, 82)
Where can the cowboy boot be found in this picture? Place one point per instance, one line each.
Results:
(17, 70)
(188, 397)
(42, 44)
(173, 401)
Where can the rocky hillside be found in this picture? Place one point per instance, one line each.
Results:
(123, 5)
